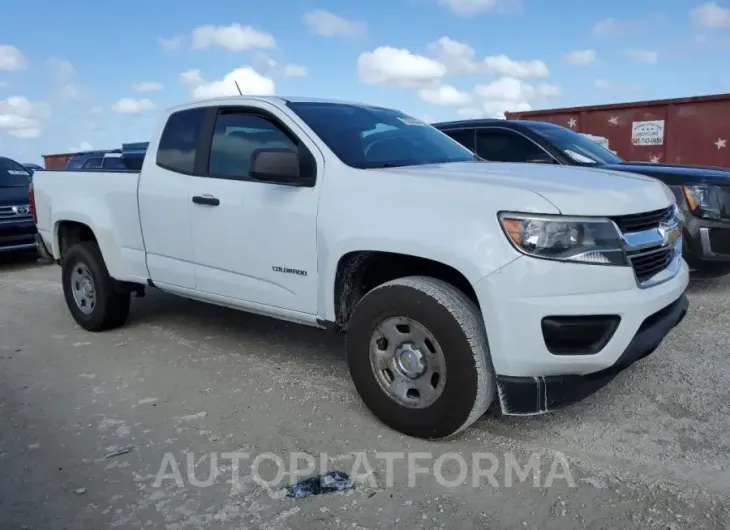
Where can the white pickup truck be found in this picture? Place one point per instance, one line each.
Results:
(461, 283)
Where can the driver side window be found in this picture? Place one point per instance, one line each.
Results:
(506, 146)
(236, 137)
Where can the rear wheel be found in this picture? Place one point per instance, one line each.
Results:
(90, 291)
(419, 358)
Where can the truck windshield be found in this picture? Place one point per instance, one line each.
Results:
(581, 149)
(373, 137)
(12, 174)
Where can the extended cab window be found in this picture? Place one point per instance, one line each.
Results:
(465, 137)
(235, 138)
(507, 146)
(179, 140)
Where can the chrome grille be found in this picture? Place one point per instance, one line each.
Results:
(642, 221)
(647, 244)
(648, 262)
(8, 213)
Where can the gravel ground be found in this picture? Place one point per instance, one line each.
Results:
(185, 380)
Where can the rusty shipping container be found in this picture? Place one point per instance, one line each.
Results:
(58, 161)
(672, 131)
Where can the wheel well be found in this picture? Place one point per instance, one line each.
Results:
(70, 233)
(360, 272)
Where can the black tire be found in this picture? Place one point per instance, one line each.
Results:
(455, 322)
(111, 307)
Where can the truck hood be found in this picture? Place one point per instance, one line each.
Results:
(676, 175)
(11, 196)
(572, 190)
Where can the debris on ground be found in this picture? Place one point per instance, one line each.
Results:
(320, 484)
(122, 451)
(81, 491)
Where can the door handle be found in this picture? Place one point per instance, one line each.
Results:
(207, 200)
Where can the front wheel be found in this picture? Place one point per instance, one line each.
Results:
(90, 291)
(419, 358)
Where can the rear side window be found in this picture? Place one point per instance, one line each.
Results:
(93, 163)
(113, 163)
(179, 140)
(465, 137)
(506, 146)
(75, 163)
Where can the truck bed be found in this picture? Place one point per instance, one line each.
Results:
(59, 194)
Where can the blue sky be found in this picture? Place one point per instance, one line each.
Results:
(82, 73)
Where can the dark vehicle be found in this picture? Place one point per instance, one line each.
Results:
(89, 160)
(17, 228)
(703, 193)
(32, 167)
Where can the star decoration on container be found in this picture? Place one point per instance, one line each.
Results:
(572, 122)
(654, 159)
(613, 120)
(721, 143)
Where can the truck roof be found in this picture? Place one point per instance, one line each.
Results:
(277, 100)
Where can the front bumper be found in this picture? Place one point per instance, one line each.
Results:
(536, 395)
(706, 241)
(17, 236)
(516, 299)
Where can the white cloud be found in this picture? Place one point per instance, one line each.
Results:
(249, 80)
(63, 75)
(148, 86)
(511, 94)
(62, 70)
(83, 146)
(11, 58)
(612, 27)
(503, 65)
(4, 84)
(235, 37)
(133, 106)
(399, 67)
(470, 113)
(21, 117)
(581, 57)
(191, 77)
(171, 44)
(327, 24)
(465, 8)
(710, 15)
(643, 56)
(295, 70)
(610, 85)
(457, 56)
(445, 95)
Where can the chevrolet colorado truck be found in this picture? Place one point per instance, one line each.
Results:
(703, 193)
(460, 284)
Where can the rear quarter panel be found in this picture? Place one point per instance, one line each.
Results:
(106, 202)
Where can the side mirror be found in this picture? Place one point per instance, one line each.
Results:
(542, 158)
(276, 165)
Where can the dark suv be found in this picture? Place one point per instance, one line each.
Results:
(17, 229)
(703, 193)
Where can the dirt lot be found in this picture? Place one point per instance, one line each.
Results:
(649, 451)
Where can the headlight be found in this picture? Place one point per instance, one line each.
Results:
(583, 240)
(703, 200)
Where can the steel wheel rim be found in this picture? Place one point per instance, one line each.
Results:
(407, 362)
(83, 288)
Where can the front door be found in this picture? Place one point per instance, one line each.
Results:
(254, 241)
